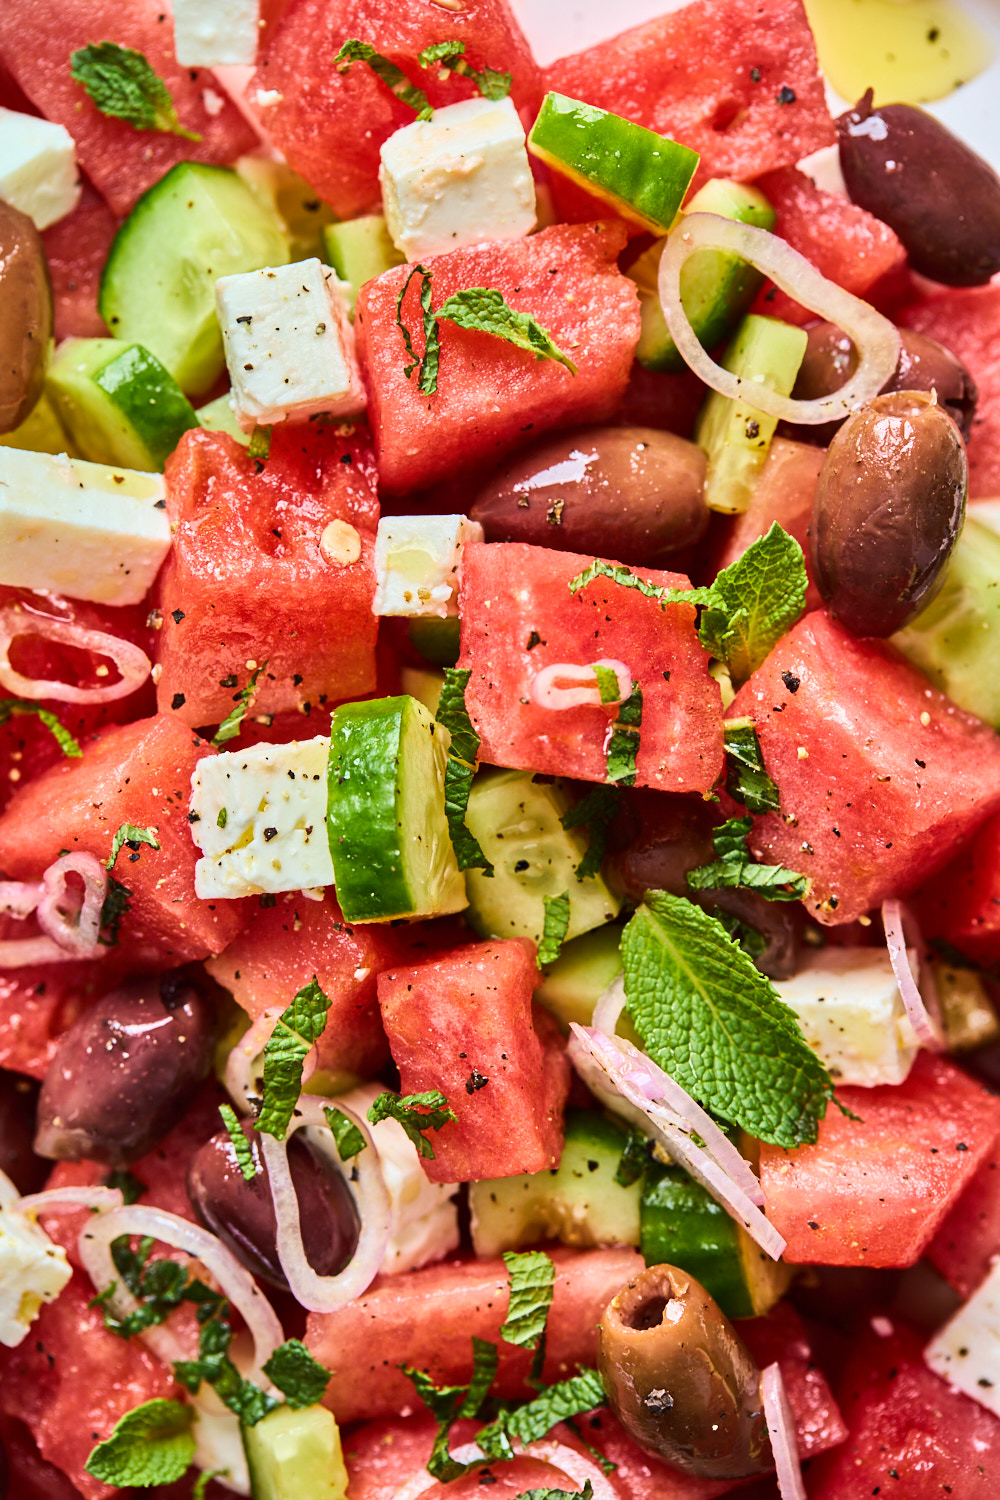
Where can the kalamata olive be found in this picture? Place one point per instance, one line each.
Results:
(671, 835)
(25, 316)
(632, 493)
(942, 199)
(679, 1378)
(888, 508)
(777, 923)
(242, 1213)
(125, 1071)
(18, 1098)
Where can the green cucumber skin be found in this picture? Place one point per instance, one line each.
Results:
(119, 403)
(682, 1225)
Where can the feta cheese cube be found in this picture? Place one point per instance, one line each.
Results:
(37, 167)
(966, 1351)
(289, 344)
(87, 530)
(261, 820)
(32, 1270)
(424, 1219)
(215, 33)
(458, 178)
(416, 563)
(852, 1015)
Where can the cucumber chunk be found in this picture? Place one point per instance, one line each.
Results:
(579, 1202)
(642, 175)
(291, 1454)
(572, 986)
(716, 287)
(359, 250)
(293, 202)
(734, 435)
(516, 821)
(40, 432)
(196, 224)
(118, 403)
(389, 842)
(218, 416)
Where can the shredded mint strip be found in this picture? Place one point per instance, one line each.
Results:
(301, 1379)
(460, 769)
(426, 363)
(623, 746)
(393, 77)
(416, 1113)
(450, 1402)
(346, 1134)
(596, 811)
(297, 1030)
(532, 1278)
(607, 683)
(587, 1493)
(747, 780)
(152, 1444)
(230, 726)
(570, 1398)
(11, 706)
(122, 84)
(735, 870)
(127, 1184)
(451, 55)
(554, 928)
(259, 446)
(241, 1146)
(634, 1159)
(214, 1364)
(135, 837)
(484, 310)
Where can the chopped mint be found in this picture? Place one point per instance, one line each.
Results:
(749, 939)
(259, 446)
(532, 1278)
(634, 1158)
(203, 1481)
(448, 1403)
(215, 1366)
(711, 1020)
(159, 1287)
(129, 1186)
(113, 909)
(394, 78)
(416, 1113)
(297, 1030)
(463, 753)
(222, 819)
(150, 1445)
(623, 746)
(427, 363)
(607, 683)
(454, 715)
(242, 1149)
(735, 870)
(596, 810)
(587, 1493)
(554, 929)
(123, 85)
(301, 1379)
(747, 780)
(346, 1134)
(569, 1398)
(483, 309)
(135, 837)
(230, 726)
(11, 706)
(451, 55)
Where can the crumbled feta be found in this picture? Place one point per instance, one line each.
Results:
(32, 1270)
(87, 530)
(424, 1219)
(214, 33)
(37, 167)
(416, 563)
(966, 1351)
(261, 820)
(289, 344)
(852, 1015)
(458, 178)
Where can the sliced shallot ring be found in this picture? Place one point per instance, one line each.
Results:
(18, 953)
(328, 1293)
(582, 690)
(608, 1010)
(925, 1019)
(18, 898)
(132, 662)
(79, 938)
(67, 1200)
(780, 1422)
(875, 338)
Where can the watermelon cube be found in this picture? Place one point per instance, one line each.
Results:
(41, 1001)
(873, 1190)
(967, 1241)
(881, 776)
(76, 249)
(491, 393)
(519, 616)
(463, 1023)
(261, 571)
(961, 904)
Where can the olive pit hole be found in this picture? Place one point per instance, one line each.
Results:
(649, 1314)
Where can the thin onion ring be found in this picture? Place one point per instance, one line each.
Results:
(132, 662)
(781, 1430)
(241, 1073)
(18, 953)
(584, 691)
(18, 898)
(925, 1018)
(78, 939)
(67, 1200)
(875, 338)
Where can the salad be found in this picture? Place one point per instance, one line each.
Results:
(499, 782)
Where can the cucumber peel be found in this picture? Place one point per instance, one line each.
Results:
(118, 403)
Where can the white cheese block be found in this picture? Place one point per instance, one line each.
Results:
(215, 33)
(458, 178)
(82, 529)
(32, 1270)
(261, 820)
(38, 171)
(852, 1015)
(966, 1351)
(289, 344)
(416, 563)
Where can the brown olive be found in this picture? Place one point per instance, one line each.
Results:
(18, 1098)
(632, 493)
(888, 508)
(25, 316)
(942, 199)
(680, 1380)
(125, 1071)
(242, 1214)
(777, 924)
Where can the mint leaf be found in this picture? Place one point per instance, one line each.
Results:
(445, 1404)
(159, 1288)
(712, 1021)
(152, 1444)
(416, 1113)
(532, 1278)
(114, 907)
(259, 446)
(451, 56)
(203, 1481)
(485, 1359)
(129, 834)
(746, 779)
(623, 746)
(758, 598)
(230, 726)
(428, 362)
(128, 1185)
(587, 1493)
(242, 1149)
(623, 576)
(11, 706)
(460, 769)
(454, 715)
(582, 1392)
(346, 1134)
(123, 85)
(301, 1379)
(634, 1159)
(607, 683)
(394, 78)
(736, 870)
(554, 928)
(297, 1030)
(483, 309)
(596, 810)
(214, 1365)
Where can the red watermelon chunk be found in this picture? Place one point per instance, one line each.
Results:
(36, 40)
(736, 80)
(872, 1191)
(40, 1002)
(76, 248)
(490, 393)
(136, 773)
(969, 1238)
(962, 902)
(330, 125)
(784, 493)
(881, 776)
(427, 1319)
(463, 1023)
(246, 580)
(519, 616)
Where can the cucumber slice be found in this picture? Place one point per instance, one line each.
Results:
(196, 224)
(579, 1202)
(389, 842)
(572, 986)
(291, 200)
(516, 821)
(424, 685)
(117, 402)
(218, 416)
(40, 432)
(734, 435)
(642, 175)
(716, 288)
(359, 250)
(292, 1453)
